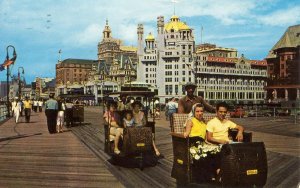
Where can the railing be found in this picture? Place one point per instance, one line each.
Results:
(275, 112)
(3, 112)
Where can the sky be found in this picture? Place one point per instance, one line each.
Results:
(38, 29)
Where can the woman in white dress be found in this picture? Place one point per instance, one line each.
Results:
(17, 106)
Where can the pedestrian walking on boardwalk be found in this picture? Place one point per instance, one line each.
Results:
(60, 115)
(27, 109)
(40, 103)
(16, 108)
(51, 108)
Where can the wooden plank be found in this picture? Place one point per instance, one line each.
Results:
(279, 163)
(31, 157)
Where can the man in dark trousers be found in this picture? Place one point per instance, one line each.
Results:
(27, 109)
(185, 103)
(51, 108)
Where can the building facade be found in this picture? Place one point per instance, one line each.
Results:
(42, 87)
(170, 60)
(71, 73)
(223, 76)
(283, 69)
(164, 61)
(110, 48)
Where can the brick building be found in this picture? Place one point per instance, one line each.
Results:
(283, 69)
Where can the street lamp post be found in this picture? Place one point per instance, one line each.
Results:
(8, 62)
(19, 78)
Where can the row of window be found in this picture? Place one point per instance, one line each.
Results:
(150, 75)
(176, 79)
(151, 81)
(233, 88)
(232, 82)
(234, 95)
(234, 71)
(150, 57)
(150, 69)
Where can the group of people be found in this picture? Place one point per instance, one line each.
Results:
(214, 131)
(55, 113)
(18, 106)
(133, 116)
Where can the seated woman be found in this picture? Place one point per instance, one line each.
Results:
(195, 126)
(112, 119)
(196, 131)
(140, 120)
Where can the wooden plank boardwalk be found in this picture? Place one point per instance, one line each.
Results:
(30, 157)
(283, 158)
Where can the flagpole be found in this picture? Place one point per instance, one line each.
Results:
(8, 62)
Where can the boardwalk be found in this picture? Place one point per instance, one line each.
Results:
(31, 157)
(48, 160)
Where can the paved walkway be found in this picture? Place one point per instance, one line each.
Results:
(31, 157)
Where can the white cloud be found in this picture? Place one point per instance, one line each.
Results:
(90, 34)
(284, 17)
(234, 36)
(228, 12)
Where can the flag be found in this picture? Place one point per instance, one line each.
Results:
(1, 68)
(6, 64)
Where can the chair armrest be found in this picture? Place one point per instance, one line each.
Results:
(180, 135)
(246, 135)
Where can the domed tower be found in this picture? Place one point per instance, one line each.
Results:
(150, 41)
(107, 31)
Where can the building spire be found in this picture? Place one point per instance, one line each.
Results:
(59, 55)
(106, 31)
(174, 6)
(201, 34)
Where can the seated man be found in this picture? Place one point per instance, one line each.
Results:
(218, 127)
(113, 120)
(217, 132)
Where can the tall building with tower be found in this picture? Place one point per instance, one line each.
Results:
(171, 59)
(166, 61)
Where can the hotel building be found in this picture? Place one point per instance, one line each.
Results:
(169, 61)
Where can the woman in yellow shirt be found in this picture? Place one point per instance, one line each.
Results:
(195, 126)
